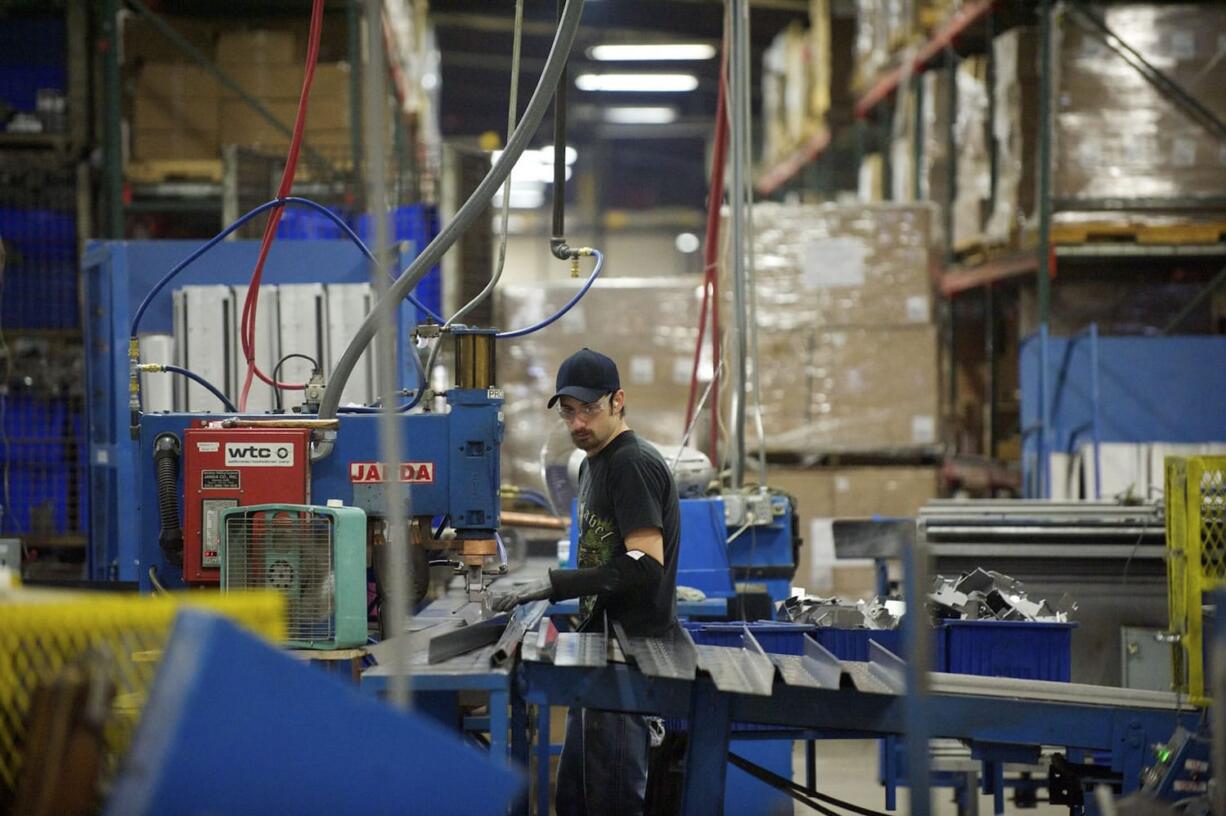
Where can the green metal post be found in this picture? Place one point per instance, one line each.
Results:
(917, 140)
(951, 185)
(989, 352)
(951, 152)
(1043, 282)
(353, 18)
(884, 145)
(112, 153)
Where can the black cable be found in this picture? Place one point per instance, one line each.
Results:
(203, 383)
(276, 392)
(786, 784)
(775, 781)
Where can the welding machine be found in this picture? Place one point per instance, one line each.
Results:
(198, 466)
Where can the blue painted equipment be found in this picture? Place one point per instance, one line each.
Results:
(1181, 768)
(234, 726)
(117, 276)
(460, 449)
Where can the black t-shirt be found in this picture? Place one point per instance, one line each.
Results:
(628, 487)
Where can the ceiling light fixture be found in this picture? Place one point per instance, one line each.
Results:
(640, 116)
(652, 52)
(641, 83)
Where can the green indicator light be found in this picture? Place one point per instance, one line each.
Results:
(1164, 755)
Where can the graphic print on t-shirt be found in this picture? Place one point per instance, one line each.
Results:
(597, 538)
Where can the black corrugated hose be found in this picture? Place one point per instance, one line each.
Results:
(166, 463)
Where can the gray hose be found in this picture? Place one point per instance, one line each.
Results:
(472, 208)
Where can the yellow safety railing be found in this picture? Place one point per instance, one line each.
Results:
(43, 633)
(1196, 544)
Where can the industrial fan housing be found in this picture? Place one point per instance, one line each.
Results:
(315, 556)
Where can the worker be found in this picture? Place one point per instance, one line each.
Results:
(629, 529)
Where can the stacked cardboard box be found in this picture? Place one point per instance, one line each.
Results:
(887, 29)
(174, 112)
(805, 73)
(180, 111)
(823, 494)
(972, 177)
(647, 325)
(847, 348)
(1115, 135)
(265, 64)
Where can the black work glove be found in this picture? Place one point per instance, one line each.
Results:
(538, 589)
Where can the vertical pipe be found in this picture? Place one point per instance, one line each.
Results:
(559, 157)
(740, 17)
(1046, 67)
(112, 152)
(746, 113)
(1094, 426)
(917, 638)
(396, 512)
(353, 20)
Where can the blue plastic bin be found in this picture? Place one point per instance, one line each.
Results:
(1026, 650)
(773, 636)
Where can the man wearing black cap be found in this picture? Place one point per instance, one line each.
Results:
(629, 528)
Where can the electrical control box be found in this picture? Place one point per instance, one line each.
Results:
(236, 467)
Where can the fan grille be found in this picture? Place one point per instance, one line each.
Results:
(290, 552)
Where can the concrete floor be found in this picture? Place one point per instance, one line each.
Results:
(847, 770)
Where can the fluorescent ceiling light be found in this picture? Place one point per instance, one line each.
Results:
(648, 83)
(640, 116)
(653, 52)
(542, 156)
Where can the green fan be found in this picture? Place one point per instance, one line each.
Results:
(315, 556)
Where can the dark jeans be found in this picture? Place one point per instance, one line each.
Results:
(603, 768)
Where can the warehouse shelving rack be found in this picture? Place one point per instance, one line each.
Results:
(969, 31)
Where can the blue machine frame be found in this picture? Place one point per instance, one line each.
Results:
(117, 277)
(462, 444)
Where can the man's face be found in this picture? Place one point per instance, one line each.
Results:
(591, 424)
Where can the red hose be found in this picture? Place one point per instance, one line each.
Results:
(247, 327)
(710, 284)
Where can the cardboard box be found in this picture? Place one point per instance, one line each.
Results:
(831, 265)
(243, 47)
(862, 492)
(171, 96)
(242, 124)
(282, 82)
(143, 42)
(849, 390)
(1115, 135)
(647, 325)
(175, 143)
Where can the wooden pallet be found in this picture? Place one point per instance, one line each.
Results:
(979, 250)
(157, 171)
(1100, 232)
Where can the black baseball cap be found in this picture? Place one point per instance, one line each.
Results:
(587, 376)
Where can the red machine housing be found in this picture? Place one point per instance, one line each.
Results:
(236, 467)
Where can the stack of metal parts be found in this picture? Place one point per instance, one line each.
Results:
(989, 595)
(878, 613)
(976, 595)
